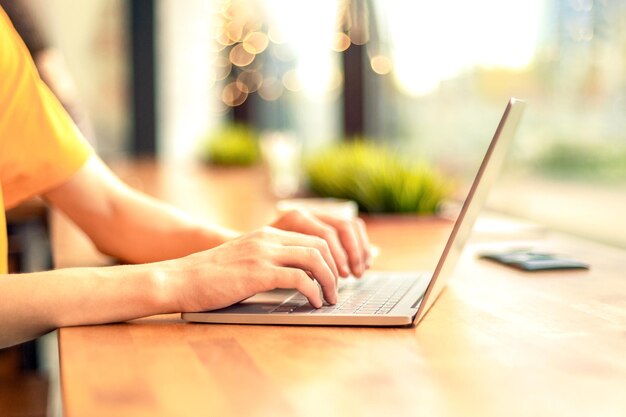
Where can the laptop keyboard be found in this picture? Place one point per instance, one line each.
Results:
(375, 294)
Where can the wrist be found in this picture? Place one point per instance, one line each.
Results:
(164, 283)
(213, 235)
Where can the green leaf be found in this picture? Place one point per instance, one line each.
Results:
(377, 179)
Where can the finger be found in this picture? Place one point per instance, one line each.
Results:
(365, 241)
(315, 227)
(293, 278)
(310, 259)
(312, 232)
(350, 240)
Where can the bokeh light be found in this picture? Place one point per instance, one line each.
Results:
(276, 35)
(255, 42)
(240, 57)
(359, 35)
(341, 42)
(223, 39)
(299, 52)
(234, 31)
(381, 64)
(271, 89)
(221, 67)
(249, 81)
(232, 95)
(291, 81)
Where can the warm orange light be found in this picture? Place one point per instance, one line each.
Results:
(359, 36)
(232, 96)
(223, 39)
(222, 68)
(381, 64)
(255, 42)
(226, 10)
(341, 42)
(216, 47)
(241, 86)
(291, 81)
(249, 81)
(271, 89)
(275, 35)
(234, 31)
(240, 57)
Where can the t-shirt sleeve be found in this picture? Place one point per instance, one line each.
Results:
(40, 146)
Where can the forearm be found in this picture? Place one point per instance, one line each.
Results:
(269, 258)
(142, 229)
(127, 224)
(36, 303)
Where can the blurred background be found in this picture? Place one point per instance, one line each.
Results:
(427, 79)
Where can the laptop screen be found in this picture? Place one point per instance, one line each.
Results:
(486, 175)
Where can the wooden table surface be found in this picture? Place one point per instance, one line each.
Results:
(497, 343)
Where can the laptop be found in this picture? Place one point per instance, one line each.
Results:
(381, 298)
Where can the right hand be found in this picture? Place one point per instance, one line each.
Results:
(255, 262)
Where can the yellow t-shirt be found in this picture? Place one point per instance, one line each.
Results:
(40, 147)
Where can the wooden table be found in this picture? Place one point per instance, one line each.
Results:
(498, 342)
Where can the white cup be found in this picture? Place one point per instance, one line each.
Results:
(343, 209)
(282, 153)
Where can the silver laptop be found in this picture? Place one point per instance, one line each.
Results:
(381, 298)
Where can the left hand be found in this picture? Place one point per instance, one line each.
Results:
(347, 239)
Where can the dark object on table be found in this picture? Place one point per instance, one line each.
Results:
(534, 261)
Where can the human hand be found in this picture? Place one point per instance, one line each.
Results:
(255, 262)
(347, 239)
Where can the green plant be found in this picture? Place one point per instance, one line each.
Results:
(376, 178)
(574, 159)
(233, 145)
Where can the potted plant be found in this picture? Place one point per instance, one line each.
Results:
(232, 145)
(376, 178)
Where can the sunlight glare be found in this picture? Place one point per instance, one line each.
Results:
(435, 41)
(311, 39)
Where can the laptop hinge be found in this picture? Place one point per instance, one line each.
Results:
(417, 303)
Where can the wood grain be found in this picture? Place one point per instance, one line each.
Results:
(498, 342)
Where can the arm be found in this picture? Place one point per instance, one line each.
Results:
(33, 304)
(131, 226)
(127, 224)
(134, 227)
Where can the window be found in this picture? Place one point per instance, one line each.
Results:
(436, 78)
(456, 63)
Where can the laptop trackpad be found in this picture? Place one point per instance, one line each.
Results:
(260, 303)
(270, 297)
